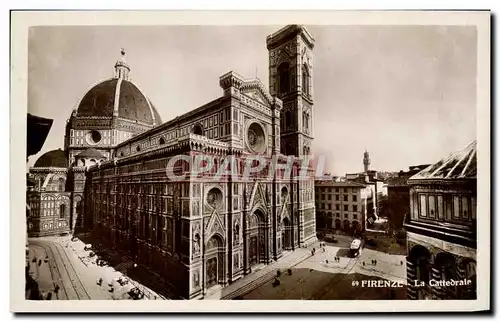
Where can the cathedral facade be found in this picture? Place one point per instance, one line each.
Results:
(199, 230)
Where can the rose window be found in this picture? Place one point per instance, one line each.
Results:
(256, 138)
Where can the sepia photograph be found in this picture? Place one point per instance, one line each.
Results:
(330, 159)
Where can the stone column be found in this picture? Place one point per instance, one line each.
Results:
(411, 276)
(246, 268)
(437, 291)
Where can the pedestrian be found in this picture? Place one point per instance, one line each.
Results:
(49, 296)
(401, 263)
(56, 289)
(363, 263)
(326, 261)
(375, 262)
(39, 262)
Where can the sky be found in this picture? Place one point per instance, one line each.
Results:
(407, 94)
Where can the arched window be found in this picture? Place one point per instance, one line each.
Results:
(305, 118)
(62, 211)
(198, 129)
(61, 184)
(284, 194)
(305, 79)
(162, 141)
(284, 78)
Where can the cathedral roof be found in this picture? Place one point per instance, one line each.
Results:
(52, 159)
(457, 165)
(118, 96)
(127, 102)
(90, 153)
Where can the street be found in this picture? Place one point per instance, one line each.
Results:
(58, 263)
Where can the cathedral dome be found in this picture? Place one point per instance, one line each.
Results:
(52, 159)
(119, 97)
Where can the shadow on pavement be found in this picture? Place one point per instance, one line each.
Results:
(124, 264)
(32, 291)
(317, 285)
(343, 252)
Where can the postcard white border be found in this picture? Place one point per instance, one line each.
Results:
(22, 20)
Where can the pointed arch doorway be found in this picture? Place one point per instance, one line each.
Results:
(257, 237)
(214, 254)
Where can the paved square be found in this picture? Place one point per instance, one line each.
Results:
(320, 277)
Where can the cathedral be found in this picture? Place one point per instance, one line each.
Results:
(201, 232)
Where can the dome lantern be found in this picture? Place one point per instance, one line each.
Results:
(121, 67)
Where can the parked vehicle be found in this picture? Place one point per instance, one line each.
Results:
(330, 238)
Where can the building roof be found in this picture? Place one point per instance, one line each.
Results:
(398, 181)
(52, 159)
(90, 153)
(457, 165)
(129, 101)
(339, 184)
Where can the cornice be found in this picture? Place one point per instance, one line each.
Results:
(48, 170)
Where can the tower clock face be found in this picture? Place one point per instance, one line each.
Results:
(93, 137)
(256, 138)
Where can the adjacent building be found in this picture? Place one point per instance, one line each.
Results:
(398, 195)
(199, 232)
(441, 228)
(375, 188)
(340, 206)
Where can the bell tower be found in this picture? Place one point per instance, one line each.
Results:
(366, 161)
(290, 78)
